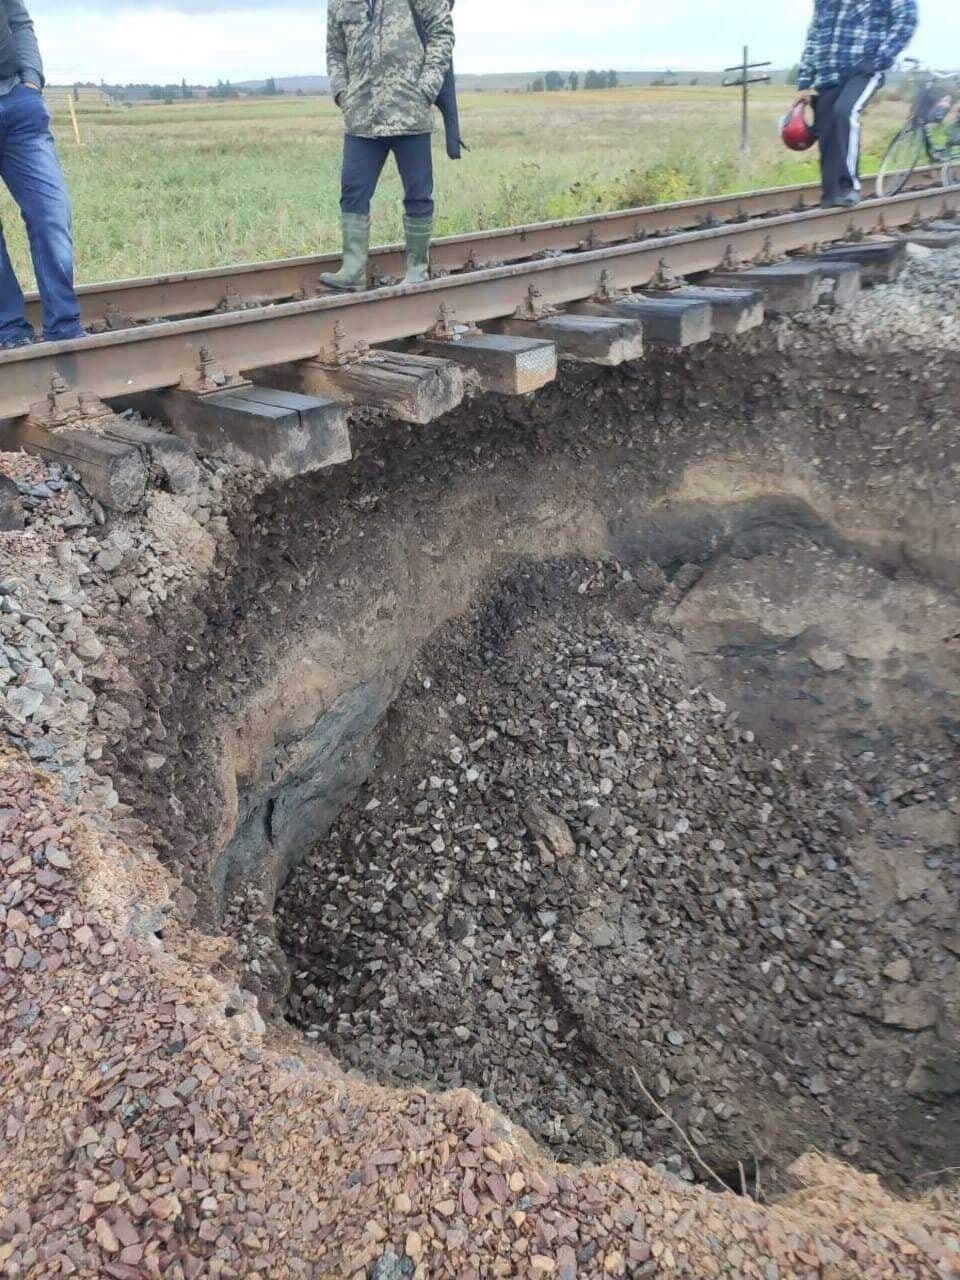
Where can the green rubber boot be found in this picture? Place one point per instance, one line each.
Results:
(419, 233)
(352, 276)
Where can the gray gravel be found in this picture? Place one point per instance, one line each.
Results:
(921, 310)
(599, 873)
(71, 583)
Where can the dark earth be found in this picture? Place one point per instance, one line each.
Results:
(757, 931)
(586, 875)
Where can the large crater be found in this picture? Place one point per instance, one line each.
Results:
(602, 752)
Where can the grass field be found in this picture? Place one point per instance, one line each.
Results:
(161, 188)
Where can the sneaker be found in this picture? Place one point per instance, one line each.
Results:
(65, 337)
(14, 344)
(848, 201)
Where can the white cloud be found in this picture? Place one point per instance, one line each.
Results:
(243, 39)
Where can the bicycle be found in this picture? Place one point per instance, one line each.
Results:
(926, 138)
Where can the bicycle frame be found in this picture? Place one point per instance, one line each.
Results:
(923, 119)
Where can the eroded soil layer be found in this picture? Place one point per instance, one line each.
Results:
(588, 878)
(236, 672)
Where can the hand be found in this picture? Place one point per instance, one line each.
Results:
(28, 84)
(805, 96)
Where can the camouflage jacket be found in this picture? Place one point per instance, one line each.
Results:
(381, 74)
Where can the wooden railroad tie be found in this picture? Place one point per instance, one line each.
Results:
(666, 320)
(113, 472)
(282, 433)
(585, 339)
(880, 261)
(787, 287)
(413, 388)
(500, 363)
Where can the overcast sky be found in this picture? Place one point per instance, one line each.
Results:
(163, 40)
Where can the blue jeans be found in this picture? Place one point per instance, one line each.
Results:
(31, 170)
(363, 161)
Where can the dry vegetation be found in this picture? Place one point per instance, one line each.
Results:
(161, 188)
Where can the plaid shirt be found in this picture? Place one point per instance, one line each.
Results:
(847, 36)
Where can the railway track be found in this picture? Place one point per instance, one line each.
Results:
(255, 365)
(122, 303)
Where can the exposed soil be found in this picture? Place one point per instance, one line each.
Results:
(585, 871)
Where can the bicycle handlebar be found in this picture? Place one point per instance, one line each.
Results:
(933, 72)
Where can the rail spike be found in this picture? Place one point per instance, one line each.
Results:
(766, 257)
(533, 306)
(666, 279)
(210, 376)
(606, 290)
(445, 330)
(114, 320)
(342, 353)
(232, 301)
(66, 409)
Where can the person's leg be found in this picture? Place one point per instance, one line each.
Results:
(30, 168)
(14, 330)
(825, 119)
(362, 164)
(852, 98)
(414, 155)
(363, 161)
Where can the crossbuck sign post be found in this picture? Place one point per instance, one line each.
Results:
(744, 78)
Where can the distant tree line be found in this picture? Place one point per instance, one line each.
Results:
(171, 93)
(554, 81)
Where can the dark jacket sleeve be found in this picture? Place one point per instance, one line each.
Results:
(434, 23)
(450, 111)
(446, 99)
(29, 62)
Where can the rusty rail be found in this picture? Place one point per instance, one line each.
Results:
(157, 356)
(194, 293)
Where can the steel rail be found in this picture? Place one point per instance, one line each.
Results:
(152, 357)
(195, 293)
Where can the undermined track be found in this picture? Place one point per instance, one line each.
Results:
(268, 386)
(122, 303)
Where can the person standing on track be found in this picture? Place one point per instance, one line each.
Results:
(387, 61)
(850, 44)
(31, 170)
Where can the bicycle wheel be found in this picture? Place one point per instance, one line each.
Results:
(903, 155)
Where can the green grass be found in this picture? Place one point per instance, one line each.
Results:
(171, 188)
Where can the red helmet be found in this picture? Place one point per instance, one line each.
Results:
(796, 131)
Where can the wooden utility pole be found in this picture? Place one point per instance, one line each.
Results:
(743, 81)
(73, 116)
(745, 121)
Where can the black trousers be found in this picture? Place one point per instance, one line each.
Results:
(363, 161)
(837, 112)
